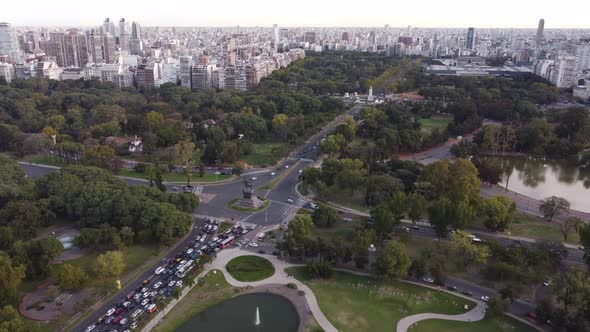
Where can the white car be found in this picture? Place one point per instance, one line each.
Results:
(428, 280)
(145, 295)
(145, 302)
(123, 321)
(159, 270)
(286, 166)
(289, 200)
(126, 304)
(111, 311)
(157, 285)
(143, 290)
(179, 283)
(254, 179)
(485, 298)
(272, 173)
(253, 244)
(300, 171)
(171, 283)
(201, 240)
(90, 328)
(547, 283)
(189, 251)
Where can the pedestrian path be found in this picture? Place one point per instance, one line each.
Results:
(476, 314)
(279, 277)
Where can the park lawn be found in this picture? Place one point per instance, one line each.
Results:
(212, 289)
(250, 268)
(262, 154)
(224, 226)
(134, 256)
(352, 200)
(435, 122)
(499, 324)
(356, 303)
(343, 230)
(176, 177)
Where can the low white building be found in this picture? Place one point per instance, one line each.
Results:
(7, 71)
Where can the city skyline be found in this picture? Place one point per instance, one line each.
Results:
(307, 13)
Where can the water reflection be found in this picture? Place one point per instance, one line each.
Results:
(540, 178)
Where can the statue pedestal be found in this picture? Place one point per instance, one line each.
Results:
(252, 202)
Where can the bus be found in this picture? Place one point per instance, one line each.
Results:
(227, 242)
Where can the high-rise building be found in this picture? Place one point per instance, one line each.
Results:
(9, 43)
(275, 38)
(108, 48)
(540, 29)
(470, 38)
(201, 76)
(310, 37)
(135, 43)
(583, 57)
(7, 72)
(135, 30)
(235, 77)
(123, 35)
(564, 71)
(95, 47)
(70, 48)
(145, 76)
(108, 26)
(186, 63)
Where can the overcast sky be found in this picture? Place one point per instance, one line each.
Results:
(396, 13)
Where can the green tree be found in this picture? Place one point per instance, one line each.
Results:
(398, 205)
(416, 207)
(497, 306)
(102, 156)
(183, 155)
(300, 226)
(466, 251)
(109, 267)
(553, 206)
(441, 216)
(393, 262)
(325, 216)
(571, 287)
(498, 213)
(383, 219)
(10, 278)
(333, 144)
(569, 224)
(72, 277)
(584, 233)
(11, 321)
(380, 188)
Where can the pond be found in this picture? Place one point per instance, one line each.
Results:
(540, 178)
(239, 314)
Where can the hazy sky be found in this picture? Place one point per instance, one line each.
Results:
(396, 13)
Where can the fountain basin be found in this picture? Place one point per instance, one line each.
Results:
(276, 313)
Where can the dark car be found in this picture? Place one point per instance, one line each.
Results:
(275, 253)
(452, 288)
(467, 292)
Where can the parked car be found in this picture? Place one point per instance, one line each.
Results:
(428, 280)
(90, 328)
(485, 298)
(452, 288)
(289, 200)
(110, 311)
(467, 292)
(253, 244)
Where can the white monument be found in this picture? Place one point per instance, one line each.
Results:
(257, 321)
(370, 97)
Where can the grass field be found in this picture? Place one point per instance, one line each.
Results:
(435, 122)
(503, 324)
(355, 303)
(177, 177)
(250, 268)
(212, 289)
(355, 200)
(224, 226)
(134, 257)
(342, 229)
(262, 154)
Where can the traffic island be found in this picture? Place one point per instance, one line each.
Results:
(237, 205)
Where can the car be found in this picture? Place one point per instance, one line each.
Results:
(153, 293)
(467, 292)
(189, 251)
(286, 166)
(171, 283)
(428, 280)
(175, 188)
(145, 295)
(300, 171)
(146, 281)
(261, 252)
(126, 304)
(254, 179)
(159, 270)
(289, 200)
(144, 302)
(272, 173)
(123, 321)
(179, 283)
(137, 296)
(100, 319)
(90, 328)
(405, 229)
(109, 319)
(485, 298)
(143, 290)
(253, 244)
(215, 228)
(215, 239)
(110, 312)
(547, 283)
(134, 325)
(119, 311)
(201, 240)
(532, 315)
(415, 227)
(117, 319)
(157, 285)
(452, 288)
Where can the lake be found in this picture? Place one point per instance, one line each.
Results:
(238, 314)
(540, 178)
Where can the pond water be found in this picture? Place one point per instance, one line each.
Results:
(239, 314)
(540, 178)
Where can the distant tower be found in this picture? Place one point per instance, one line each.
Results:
(9, 45)
(275, 38)
(540, 30)
(470, 38)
